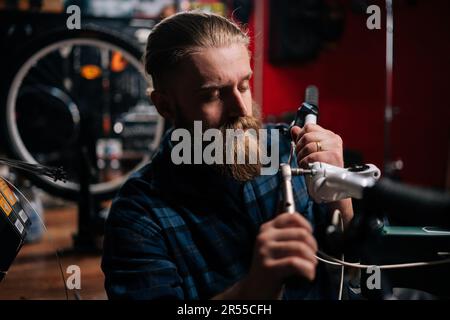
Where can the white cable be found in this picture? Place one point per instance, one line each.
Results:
(336, 219)
(333, 261)
(292, 148)
(329, 262)
(341, 283)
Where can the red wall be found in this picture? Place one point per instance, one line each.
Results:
(421, 132)
(351, 80)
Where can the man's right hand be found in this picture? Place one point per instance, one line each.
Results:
(285, 247)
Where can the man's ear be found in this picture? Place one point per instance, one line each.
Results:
(163, 104)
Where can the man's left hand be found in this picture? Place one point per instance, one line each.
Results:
(316, 144)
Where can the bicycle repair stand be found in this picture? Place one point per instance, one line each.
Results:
(86, 240)
(370, 240)
(366, 234)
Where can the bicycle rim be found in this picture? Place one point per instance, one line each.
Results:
(17, 143)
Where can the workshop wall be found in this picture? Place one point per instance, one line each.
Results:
(351, 80)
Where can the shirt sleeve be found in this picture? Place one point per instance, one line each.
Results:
(135, 260)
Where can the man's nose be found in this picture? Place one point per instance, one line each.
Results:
(236, 105)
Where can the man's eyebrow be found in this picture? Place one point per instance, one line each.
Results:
(213, 85)
(248, 76)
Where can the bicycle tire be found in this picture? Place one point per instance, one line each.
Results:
(24, 55)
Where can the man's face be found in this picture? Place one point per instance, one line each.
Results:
(212, 86)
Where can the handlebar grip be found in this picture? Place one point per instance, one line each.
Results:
(409, 203)
(307, 113)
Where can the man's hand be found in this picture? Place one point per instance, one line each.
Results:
(316, 144)
(285, 247)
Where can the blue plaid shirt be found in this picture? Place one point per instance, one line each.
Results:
(183, 232)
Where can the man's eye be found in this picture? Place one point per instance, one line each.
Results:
(211, 95)
(244, 88)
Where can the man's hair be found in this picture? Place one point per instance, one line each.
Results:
(182, 34)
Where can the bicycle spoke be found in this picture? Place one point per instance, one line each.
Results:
(100, 107)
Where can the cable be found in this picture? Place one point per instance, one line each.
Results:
(62, 274)
(341, 283)
(37, 169)
(328, 262)
(333, 261)
(336, 219)
(292, 148)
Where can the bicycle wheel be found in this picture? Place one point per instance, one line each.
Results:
(81, 88)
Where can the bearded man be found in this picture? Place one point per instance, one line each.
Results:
(213, 231)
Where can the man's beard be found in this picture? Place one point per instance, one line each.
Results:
(248, 146)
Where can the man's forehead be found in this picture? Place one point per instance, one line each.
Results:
(218, 66)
